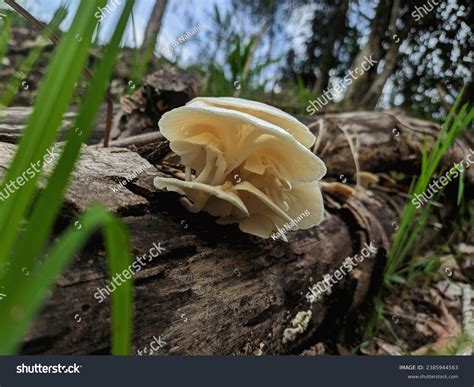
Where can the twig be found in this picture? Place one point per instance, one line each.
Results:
(138, 140)
(322, 130)
(354, 148)
(30, 18)
(108, 121)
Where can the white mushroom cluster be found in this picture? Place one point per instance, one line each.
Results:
(245, 162)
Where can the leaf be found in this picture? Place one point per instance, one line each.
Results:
(41, 130)
(25, 295)
(411, 227)
(24, 299)
(32, 59)
(5, 32)
(49, 202)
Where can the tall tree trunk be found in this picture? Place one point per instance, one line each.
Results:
(360, 85)
(390, 60)
(336, 25)
(153, 26)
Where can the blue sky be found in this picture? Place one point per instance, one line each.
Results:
(177, 19)
(180, 17)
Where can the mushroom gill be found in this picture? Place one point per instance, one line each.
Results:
(248, 170)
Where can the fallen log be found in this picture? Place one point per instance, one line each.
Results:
(213, 289)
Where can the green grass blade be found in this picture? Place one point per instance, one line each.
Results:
(117, 242)
(41, 130)
(5, 31)
(25, 295)
(49, 202)
(31, 60)
(446, 125)
(454, 132)
(410, 227)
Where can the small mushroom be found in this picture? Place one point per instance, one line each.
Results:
(277, 176)
(343, 191)
(367, 179)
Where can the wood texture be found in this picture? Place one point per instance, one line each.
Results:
(216, 290)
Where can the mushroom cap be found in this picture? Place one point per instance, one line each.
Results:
(238, 137)
(200, 193)
(263, 111)
(246, 163)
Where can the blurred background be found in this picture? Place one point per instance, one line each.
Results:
(289, 52)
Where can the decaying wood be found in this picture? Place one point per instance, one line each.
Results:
(388, 141)
(216, 290)
(14, 119)
(162, 91)
(138, 140)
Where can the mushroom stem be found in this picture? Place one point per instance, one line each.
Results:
(187, 171)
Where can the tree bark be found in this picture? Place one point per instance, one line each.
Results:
(154, 25)
(359, 86)
(328, 59)
(216, 290)
(390, 61)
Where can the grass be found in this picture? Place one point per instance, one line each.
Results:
(140, 60)
(27, 218)
(413, 220)
(32, 59)
(5, 27)
(403, 266)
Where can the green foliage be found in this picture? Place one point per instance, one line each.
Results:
(221, 32)
(217, 84)
(413, 220)
(236, 72)
(32, 59)
(401, 269)
(239, 56)
(304, 95)
(225, 80)
(374, 318)
(25, 294)
(5, 31)
(22, 248)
